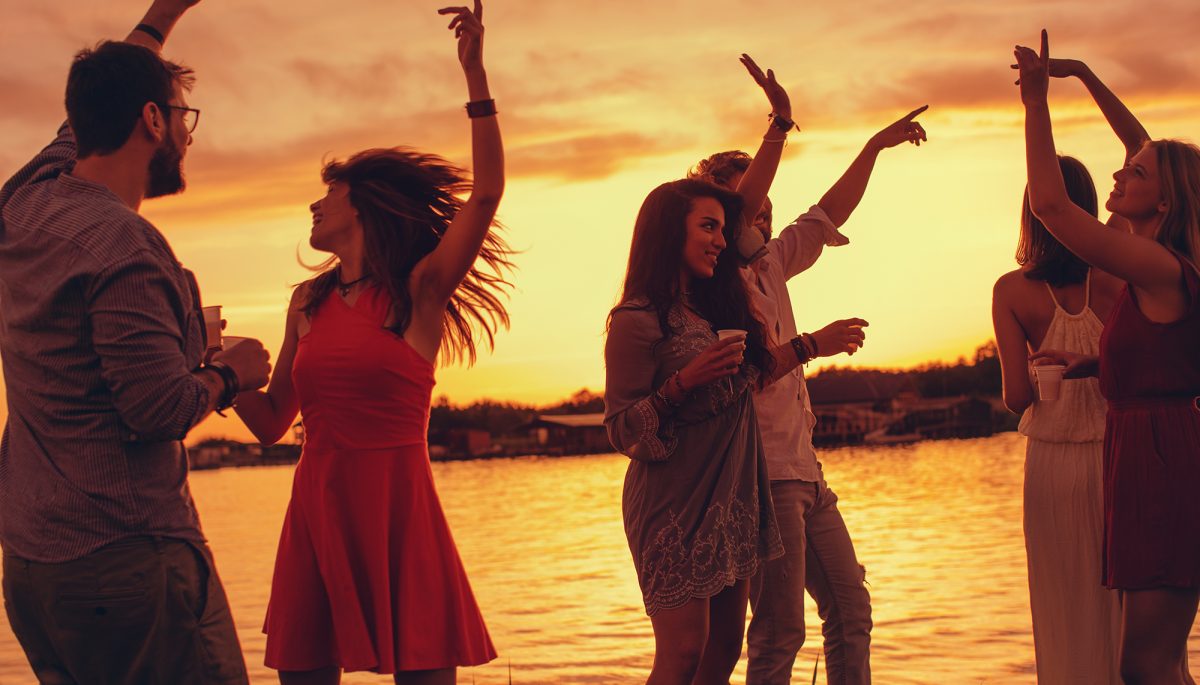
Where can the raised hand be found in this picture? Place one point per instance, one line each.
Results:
(179, 6)
(1035, 71)
(776, 95)
(170, 8)
(717, 361)
(162, 17)
(902, 130)
(846, 335)
(1061, 68)
(468, 29)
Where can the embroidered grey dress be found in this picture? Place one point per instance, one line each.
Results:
(697, 502)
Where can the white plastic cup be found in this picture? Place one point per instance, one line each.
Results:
(727, 333)
(212, 326)
(228, 342)
(1049, 380)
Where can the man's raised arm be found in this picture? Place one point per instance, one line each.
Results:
(154, 28)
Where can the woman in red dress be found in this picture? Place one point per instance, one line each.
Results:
(367, 577)
(1149, 365)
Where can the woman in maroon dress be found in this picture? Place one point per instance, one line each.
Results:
(1149, 365)
(367, 577)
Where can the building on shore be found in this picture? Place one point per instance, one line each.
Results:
(560, 434)
(219, 453)
(849, 407)
(885, 409)
(462, 443)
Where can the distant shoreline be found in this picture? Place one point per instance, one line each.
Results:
(861, 423)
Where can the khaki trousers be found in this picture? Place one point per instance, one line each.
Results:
(819, 557)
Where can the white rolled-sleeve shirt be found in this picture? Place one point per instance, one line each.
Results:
(785, 416)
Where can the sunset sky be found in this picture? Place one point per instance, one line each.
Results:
(602, 101)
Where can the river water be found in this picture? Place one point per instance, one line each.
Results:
(937, 524)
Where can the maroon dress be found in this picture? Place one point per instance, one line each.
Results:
(1150, 374)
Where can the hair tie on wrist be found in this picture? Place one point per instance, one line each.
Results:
(481, 108)
(151, 31)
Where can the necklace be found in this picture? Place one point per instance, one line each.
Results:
(344, 288)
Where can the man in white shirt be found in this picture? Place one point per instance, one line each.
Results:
(818, 546)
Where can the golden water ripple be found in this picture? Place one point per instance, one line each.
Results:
(937, 524)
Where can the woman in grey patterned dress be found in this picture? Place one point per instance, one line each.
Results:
(696, 502)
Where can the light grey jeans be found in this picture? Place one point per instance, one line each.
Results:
(818, 556)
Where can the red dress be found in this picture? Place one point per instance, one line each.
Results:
(367, 576)
(1150, 374)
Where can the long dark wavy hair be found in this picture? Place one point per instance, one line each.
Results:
(405, 201)
(1048, 259)
(656, 259)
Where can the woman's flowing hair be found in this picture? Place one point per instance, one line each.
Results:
(1049, 260)
(1179, 176)
(656, 260)
(405, 201)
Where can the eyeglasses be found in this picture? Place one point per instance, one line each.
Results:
(191, 116)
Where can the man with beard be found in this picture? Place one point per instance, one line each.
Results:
(107, 576)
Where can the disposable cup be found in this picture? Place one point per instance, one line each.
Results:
(212, 326)
(1049, 380)
(727, 333)
(229, 341)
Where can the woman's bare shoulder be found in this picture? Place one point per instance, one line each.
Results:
(1012, 284)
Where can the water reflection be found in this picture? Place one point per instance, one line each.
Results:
(937, 524)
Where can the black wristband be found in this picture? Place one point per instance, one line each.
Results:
(782, 123)
(801, 350)
(230, 379)
(481, 108)
(152, 32)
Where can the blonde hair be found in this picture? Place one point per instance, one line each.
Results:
(1179, 177)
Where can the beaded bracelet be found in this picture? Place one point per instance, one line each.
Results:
(662, 397)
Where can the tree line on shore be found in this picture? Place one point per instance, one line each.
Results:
(978, 376)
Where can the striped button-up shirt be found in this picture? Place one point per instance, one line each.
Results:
(100, 332)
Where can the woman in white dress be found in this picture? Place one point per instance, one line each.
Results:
(1054, 301)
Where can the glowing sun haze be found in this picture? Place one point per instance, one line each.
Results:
(602, 101)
